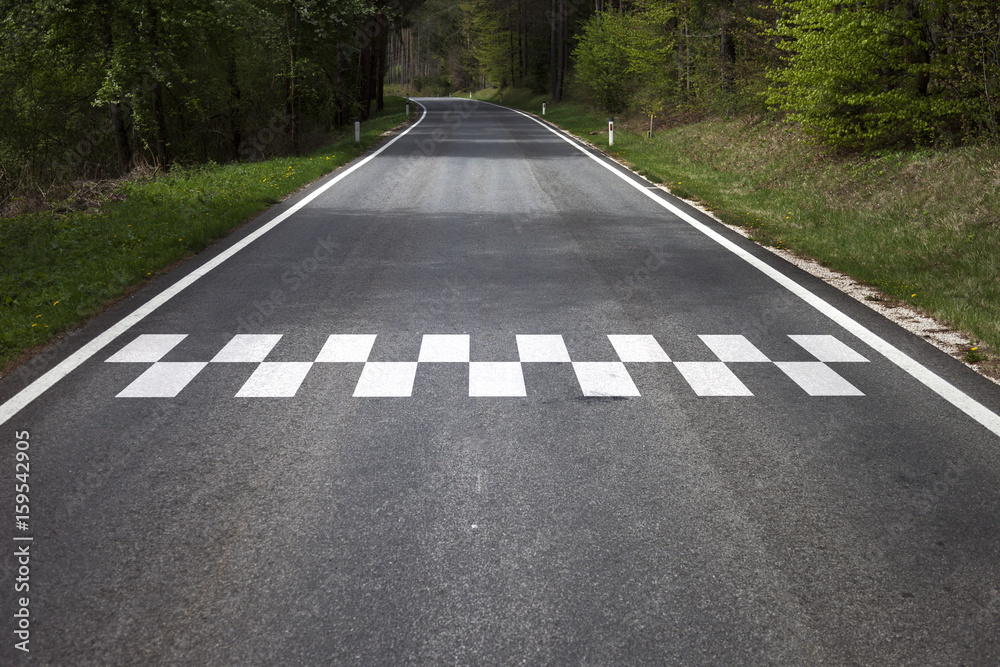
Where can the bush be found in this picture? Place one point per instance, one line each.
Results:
(872, 74)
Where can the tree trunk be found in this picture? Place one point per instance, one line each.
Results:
(563, 46)
(122, 148)
(160, 121)
(159, 115)
(235, 115)
(919, 54)
(365, 76)
(291, 97)
(554, 51)
(382, 54)
(727, 57)
(118, 131)
(512, 50)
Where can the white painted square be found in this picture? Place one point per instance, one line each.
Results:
(446, 348)
(542, 349)
(249, 348)
(818, 379)
(604, 379)
(164, 379)
(638, 348)
(347, 348)
(712, 378)
(828, 348)
(733, 348)
(386, 379)
(496, 379)
(147, 348)
(275, 380)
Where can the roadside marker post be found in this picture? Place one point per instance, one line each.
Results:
(611, 130)
(357, 130)
(543, 108)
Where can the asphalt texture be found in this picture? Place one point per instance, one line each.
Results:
(851, 516)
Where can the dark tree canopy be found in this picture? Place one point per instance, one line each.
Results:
(94, 88)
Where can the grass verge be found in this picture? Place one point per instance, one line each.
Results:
(61, 268)
(922, 227)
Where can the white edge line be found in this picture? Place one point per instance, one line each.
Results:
(24, 397)
(921, 373)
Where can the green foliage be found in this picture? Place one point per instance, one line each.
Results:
(621, 59)
(493, 41)
(874, 73)
(603, 69)
(96, 88)
(675, 56)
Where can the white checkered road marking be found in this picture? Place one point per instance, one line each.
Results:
(386, 379)
(828, 348)
(542, 349)
(247, 348)
(733, 349)
(712, 378)
(638, 348)
(147, 348)
(276, 379)
(490, 378)
(604, 379)
(817, 379)
(346, 348)
(163, 379)
(450, 348)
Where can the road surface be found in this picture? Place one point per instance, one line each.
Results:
(487, 398)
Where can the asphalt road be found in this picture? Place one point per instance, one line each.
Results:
(487, 399)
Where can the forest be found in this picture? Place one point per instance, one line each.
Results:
(96, 89)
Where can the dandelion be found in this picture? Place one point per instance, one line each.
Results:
(912, 295)
(37, 316)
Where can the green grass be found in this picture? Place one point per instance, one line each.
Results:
(60, 269)
(922, 226)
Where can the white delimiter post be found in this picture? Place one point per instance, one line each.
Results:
(543, 108)
(357, 130)
(611, 131)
